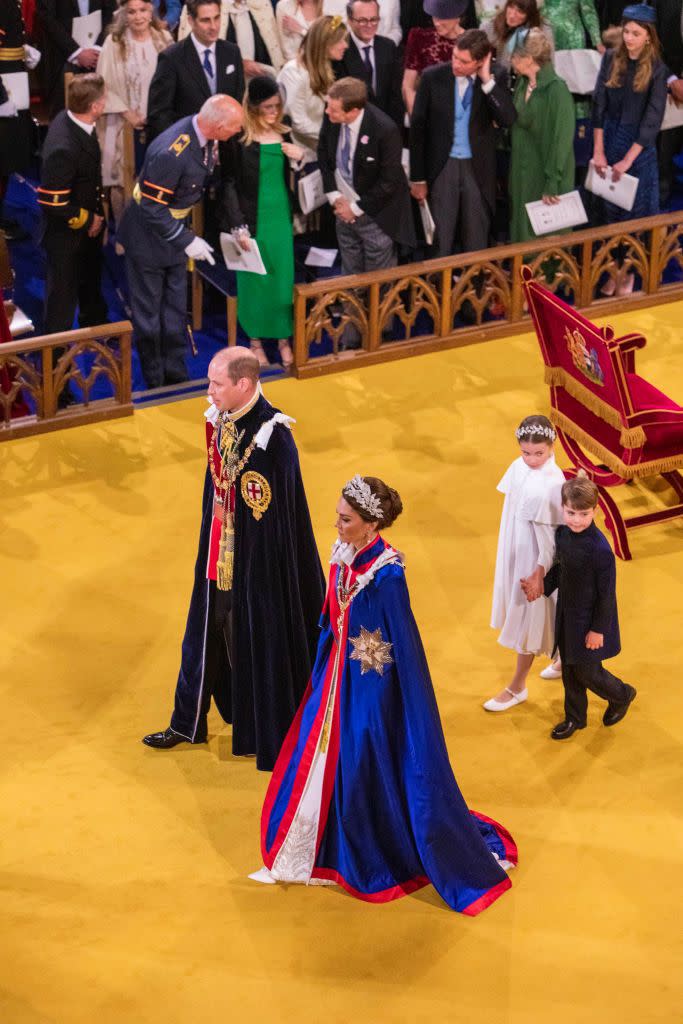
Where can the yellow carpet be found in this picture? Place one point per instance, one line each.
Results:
(124, 889)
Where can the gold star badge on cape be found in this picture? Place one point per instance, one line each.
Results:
(371, 650)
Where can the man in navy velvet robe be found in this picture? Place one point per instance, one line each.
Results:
(251, 646)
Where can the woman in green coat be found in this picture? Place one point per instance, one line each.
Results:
(542, 161)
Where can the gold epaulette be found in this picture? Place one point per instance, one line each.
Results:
(79, 221)
(53, 196)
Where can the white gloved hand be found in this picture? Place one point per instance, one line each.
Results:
(198, 249)
(31, 56)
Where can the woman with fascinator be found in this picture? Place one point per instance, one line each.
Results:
(257, 202)
(363, 794)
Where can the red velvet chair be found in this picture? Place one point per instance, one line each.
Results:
(601, 406)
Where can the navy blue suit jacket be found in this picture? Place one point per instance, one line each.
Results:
(584, 574)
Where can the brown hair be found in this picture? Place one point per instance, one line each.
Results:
(389, 499)
(529, 9)
(245, 365)
(650, 53)
(580, 492)
(533, 429)
(476, 41)
(84, 90)
(194, 5)
(323, 33)
(352, 92)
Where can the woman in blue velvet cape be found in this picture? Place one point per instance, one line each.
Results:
(363, 794)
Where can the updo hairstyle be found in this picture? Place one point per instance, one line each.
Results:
(526, 432)
(389, 499)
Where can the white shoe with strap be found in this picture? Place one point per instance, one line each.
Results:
(505, 705)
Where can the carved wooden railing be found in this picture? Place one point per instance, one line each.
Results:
(461, 299)
(41, 371)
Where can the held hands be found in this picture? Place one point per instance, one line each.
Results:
(342, 209)
(198, 249)
(594, 641)
(676, 90)
(533, 584)
(551, 200)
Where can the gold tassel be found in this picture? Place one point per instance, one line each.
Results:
(637, 471)
(226, 554)
(630, 437)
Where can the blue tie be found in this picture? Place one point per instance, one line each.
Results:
(467, 95)
(368, 65)
(346, 153)
(207, 64)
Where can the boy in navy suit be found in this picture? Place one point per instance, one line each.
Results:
(586, 624)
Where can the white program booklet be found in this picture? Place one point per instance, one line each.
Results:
(579, 68)
(622, 193)
(311, 192)
(348, 191)
(428, 225)
(546, 218)
(673, 115)
(86, 28)
(320, 257)
(16, 84)
(236, 258)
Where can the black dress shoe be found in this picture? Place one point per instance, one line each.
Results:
(165, 740)
(565, 729)
(615, 712)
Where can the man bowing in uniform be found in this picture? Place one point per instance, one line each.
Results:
(157, 241)
(252, 627)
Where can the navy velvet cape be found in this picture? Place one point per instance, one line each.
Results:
(392, 817)
(278, 589)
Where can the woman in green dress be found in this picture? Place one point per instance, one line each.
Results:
(258, 204)
(542, 161)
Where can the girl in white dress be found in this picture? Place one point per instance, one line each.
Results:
(526, 547)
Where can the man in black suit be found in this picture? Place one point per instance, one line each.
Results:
(359, 153)
(372, 58)
(453, 143)
(189, 72)
(70, 196)
(62, 52)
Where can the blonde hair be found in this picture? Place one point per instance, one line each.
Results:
(117, 30)
(650, 53)
(313, 52)
(254, 123)
(537, 46)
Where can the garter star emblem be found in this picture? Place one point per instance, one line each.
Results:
(371, 650)
(256, 493)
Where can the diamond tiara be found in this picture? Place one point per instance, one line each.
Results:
(530, 430)
(363, 496)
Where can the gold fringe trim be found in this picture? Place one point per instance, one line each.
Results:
(557, 377)
(637, 471)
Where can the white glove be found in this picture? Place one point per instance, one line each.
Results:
(31, 56)
(198, 249)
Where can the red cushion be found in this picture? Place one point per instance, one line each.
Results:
(646, 396)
